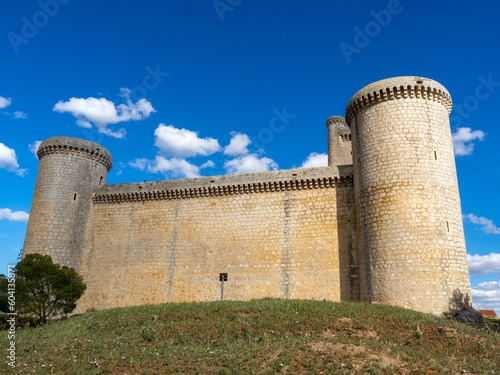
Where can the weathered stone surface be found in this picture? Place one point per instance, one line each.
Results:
(409, 221)
(339, 141)
(386, 230)
(69, 170)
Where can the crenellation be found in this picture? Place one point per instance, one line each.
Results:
(382, 223)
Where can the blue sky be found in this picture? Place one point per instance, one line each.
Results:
(166, 86)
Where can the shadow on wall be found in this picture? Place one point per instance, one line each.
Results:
(346, 232)
(460, 300)
(462, 311)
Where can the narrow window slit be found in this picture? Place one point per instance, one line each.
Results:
(435, 155)
(100, 181)
(448, 225)
(74, 197)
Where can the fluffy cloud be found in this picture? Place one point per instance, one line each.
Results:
(488, 225)
(5, 102)
(102, 112)
(183, 142)
(173, 167)
(244, 161)
(238, 145)
(208, 164)
(8, 160)
(34, 147)
(487, 296)
(6, 213)
(315, 160)
(462, 140)
(140, 164)
(481, 264)
(19, 114)
(249, 164)
(174, 146)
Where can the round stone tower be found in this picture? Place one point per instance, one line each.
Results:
(69, 169)
(339, 141)
(409, 220)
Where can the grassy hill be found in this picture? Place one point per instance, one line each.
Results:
(260, 337)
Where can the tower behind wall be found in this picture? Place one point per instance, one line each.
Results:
(69, 169)
(339, 141)
(409, 221)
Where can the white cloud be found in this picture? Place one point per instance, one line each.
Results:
(462, 140)
(208, 164)
(482, 264)
(34, 147)
(183, 142)
(8, 160)
(140, 164)
(249, 164)
(173, 167)
(6, 213)
(238, 145)
(119, 168)
(315, 160)
(487, 296)
(102, 112)
(19, 114)
(5, 102)
(488, 225)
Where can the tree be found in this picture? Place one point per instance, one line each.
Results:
(45, 290)
(4, 303)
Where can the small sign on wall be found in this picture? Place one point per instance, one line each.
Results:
(222, 278)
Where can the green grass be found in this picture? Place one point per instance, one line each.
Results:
(256, 337)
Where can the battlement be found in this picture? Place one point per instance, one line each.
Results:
(76, 146)
(335, 120)
(397, 88)
(247, 183)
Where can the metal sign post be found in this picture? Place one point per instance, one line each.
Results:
(222, 278)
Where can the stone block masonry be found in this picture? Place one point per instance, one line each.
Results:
(386, 229)
(69, 170)
(409, 221)
(274, 233)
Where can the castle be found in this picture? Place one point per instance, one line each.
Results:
(382, 223)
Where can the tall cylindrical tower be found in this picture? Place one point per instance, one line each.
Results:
(409, 220)
(339, 141)
(69, 169)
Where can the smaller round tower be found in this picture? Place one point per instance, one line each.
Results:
(339, 141)
(69, 170)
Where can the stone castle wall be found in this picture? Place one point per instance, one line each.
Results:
(339, 141)
(407, 201)
(283, 234)
(387, 229)
(69, 170)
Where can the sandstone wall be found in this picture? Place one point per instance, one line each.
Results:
(339, 142)
(407, 203)
(69, 169)
(284, 234)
